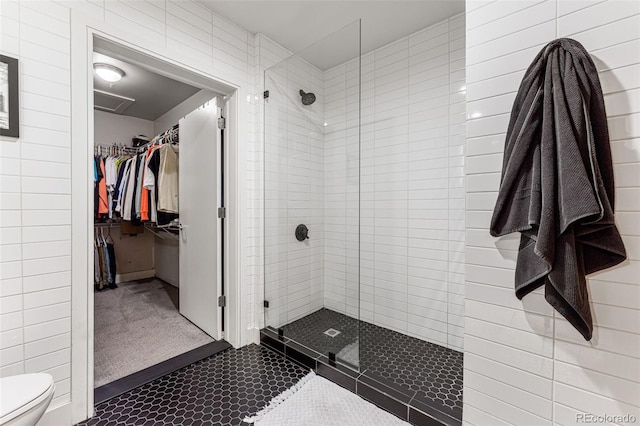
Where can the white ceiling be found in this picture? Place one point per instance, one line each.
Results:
(296, 24)
(154, 94)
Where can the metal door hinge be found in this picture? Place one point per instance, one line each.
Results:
(222, 123)
(265, 94)
(222, 301)
(222, 212)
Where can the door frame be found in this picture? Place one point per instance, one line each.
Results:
(83, 31)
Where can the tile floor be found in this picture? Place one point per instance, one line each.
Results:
(220, 390)
(430, 372)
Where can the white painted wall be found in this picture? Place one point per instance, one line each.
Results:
(166, 254)
(35, 171)
(524, 364)
(171, 117)
(412, 186)
(112, 129)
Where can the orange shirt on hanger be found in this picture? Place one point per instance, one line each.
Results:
(144, 201)
(102, 191)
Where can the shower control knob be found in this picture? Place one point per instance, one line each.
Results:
(302, 232)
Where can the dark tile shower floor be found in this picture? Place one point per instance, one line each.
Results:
(432, 372)
(219, 390)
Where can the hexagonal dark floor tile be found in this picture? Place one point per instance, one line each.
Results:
(219, 390)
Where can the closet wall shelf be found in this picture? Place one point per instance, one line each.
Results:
(108, 224)
(163, 232)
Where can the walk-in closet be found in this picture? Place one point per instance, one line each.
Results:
(151, 217)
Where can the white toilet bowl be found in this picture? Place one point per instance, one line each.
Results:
(25, 398)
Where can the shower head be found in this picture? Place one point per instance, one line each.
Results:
(307, 98)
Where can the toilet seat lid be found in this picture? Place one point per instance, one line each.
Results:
(18, 391)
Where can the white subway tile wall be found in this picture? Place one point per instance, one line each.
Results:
(35, 171)
(524, 364)
(342, 186)
(411, 186)
(293, 182)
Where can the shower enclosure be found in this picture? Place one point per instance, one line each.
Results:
(312, 174)
(361, 184)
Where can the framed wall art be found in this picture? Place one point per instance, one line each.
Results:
(9, 99)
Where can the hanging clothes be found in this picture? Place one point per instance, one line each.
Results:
(97, 274)
(103, 204)
(129, 190)
(122, 185)
(151, 182)
(140, 188)
(121, 166)
(104, 262)
(148, 202)
(168, 180)
(135, 213)
(112, 265)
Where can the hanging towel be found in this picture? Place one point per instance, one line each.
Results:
(557, 185)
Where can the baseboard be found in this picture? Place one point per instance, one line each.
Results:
(58, 416)
(168, 280)
(132, 276)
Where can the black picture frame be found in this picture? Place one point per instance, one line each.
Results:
(9, 97)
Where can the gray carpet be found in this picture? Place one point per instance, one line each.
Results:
(138, 325)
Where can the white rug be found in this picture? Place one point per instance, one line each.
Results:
(316, 401)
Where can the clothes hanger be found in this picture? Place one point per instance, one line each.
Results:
(109, 234)
(101, 238)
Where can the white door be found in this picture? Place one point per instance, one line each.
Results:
(200, 280)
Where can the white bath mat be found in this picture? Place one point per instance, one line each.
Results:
(315, 401)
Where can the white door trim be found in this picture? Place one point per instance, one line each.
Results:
(83, 30)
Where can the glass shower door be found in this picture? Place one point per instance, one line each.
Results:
(312, 196)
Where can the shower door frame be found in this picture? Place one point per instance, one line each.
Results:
(267, 93)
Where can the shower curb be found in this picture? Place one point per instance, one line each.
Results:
(405, 404)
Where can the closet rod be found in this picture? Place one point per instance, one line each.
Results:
(114, 149)
(109, 224)
(168, 136)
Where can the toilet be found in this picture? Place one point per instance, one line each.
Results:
(25, 398)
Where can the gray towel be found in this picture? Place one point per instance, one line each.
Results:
(557, 185)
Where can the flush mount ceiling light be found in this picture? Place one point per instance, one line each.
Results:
(108, 72)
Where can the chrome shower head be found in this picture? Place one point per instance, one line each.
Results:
(307, 98)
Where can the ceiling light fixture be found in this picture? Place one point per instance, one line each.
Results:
(108, 72)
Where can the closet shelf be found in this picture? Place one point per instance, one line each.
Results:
(107, 224)
(164, 232)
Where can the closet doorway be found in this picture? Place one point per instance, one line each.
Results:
(158, 216)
